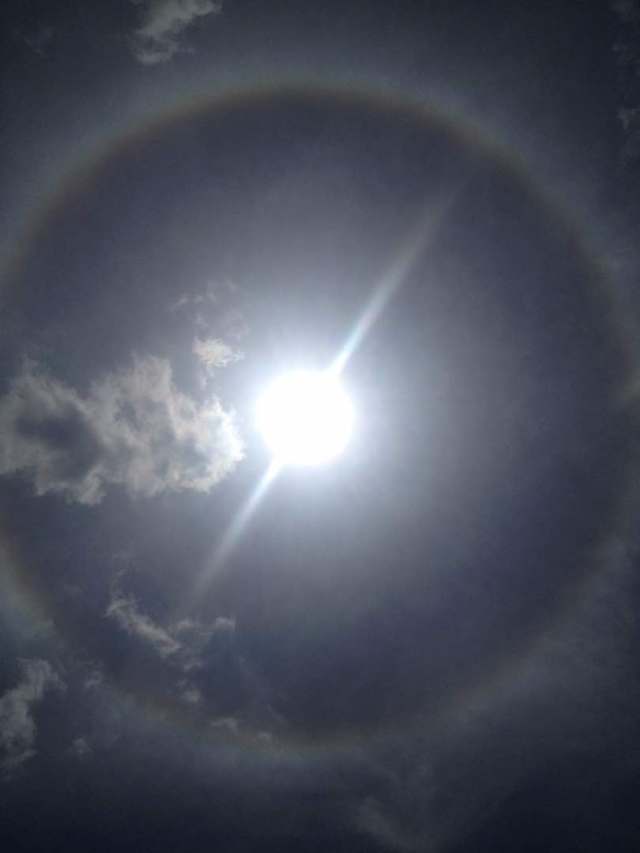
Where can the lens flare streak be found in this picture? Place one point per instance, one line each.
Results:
(232, 536)
(392, 281)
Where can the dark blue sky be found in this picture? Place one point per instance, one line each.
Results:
(429, 645)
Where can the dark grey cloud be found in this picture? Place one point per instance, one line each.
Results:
(164, 22)
(17, 724)
(134, 429)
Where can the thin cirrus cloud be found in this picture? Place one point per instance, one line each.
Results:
(202, 665)
(183, 643)
(125, 612)
(133, 429)
(189, 649)
(214, 353)
(17, 725)
(160, 34)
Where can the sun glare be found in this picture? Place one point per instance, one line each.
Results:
(305, 418)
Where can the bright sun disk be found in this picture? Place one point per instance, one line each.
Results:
(305, 418)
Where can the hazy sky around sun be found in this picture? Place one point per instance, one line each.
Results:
(429, 644)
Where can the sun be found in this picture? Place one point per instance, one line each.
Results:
(305, 418)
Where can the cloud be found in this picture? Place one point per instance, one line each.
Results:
(202, 663)
(216, 311)
(224, 625)
(209, 296)
(191, 696)
(227, 724)
(94, 680)
(134, 429)
(125, 612)
(214, 353)
(17, 726)
(80, 747)
(183, 643)
(158, 38)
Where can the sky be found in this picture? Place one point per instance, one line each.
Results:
(430, 644)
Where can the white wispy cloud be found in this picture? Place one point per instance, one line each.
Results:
(159, 36)
(207, 296)
(183, 642)
(214, 353)
(229, 725)
(217, 314)
(191, 695)
(199, 658)
(17, 725)
(134, 429)
(124, 610)
(224, 624)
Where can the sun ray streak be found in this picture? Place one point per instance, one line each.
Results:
(415, 243)
(231, 537)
